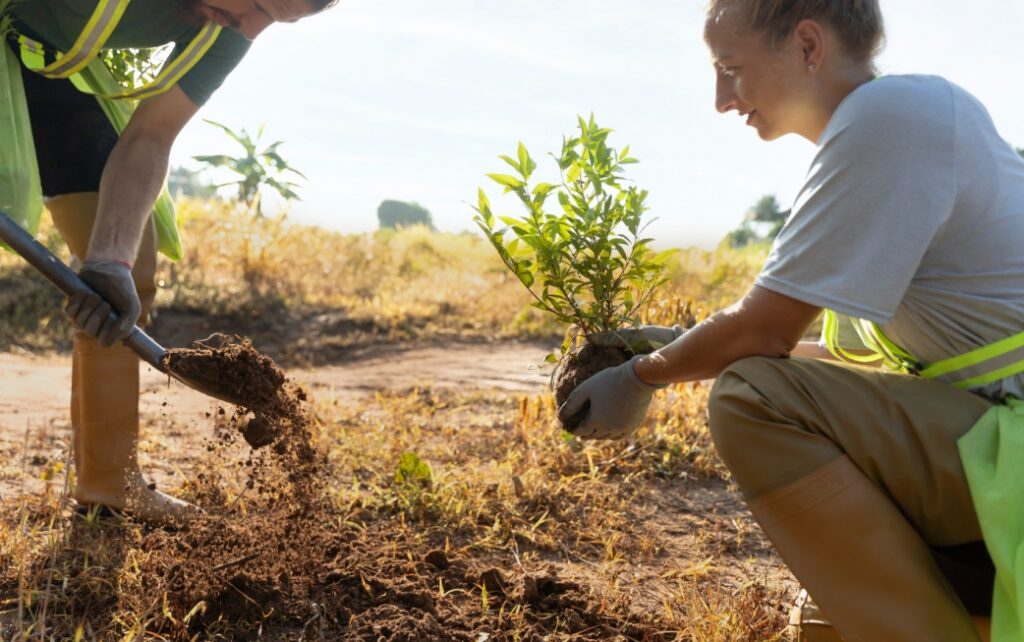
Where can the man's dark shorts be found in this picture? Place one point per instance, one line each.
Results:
(73, 137)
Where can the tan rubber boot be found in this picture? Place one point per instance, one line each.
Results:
(105, 417)
(807, 623)
(105, 393)
(866, 566)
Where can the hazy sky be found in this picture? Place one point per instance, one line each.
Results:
(413, 100)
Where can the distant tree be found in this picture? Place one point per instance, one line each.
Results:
(185, 182)
(396, 214)
(1021, 152)
(256, 168)
(762, 222)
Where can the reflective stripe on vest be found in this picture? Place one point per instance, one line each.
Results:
(891, 355)
(94, 35)
(979, 367)
(102, 23)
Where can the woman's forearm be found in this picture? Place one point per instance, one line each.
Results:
(762, 324)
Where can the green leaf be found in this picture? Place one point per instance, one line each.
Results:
(412, 469)
(510, 182)
(575, 170)
(543, 189)
(217, 160)
(526, 164)
(511, 161)
(484, 207)
(512, 221)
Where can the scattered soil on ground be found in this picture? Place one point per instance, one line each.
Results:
(277, 556)
(575, 368)
(289, 557)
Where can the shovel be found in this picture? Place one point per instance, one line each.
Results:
(68, 282)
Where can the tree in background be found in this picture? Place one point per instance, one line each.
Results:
(256, 168)
(396, 214)
(761, 223)
(184, 182)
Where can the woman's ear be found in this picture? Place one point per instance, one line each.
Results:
(809, 37)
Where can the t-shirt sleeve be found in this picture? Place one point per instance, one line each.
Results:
(209, 73)
(880, 188)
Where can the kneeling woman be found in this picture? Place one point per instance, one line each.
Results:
(910, 222)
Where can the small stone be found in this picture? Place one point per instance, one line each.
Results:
(493, 581)
(437, 559)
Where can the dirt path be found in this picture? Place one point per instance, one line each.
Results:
(35, 393)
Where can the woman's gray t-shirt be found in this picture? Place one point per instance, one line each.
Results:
(911, 216)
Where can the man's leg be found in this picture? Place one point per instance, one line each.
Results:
(73, 140)
(852, 473)
(105, 391)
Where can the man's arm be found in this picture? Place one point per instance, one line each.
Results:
(135, 173)
(131, 182)
(763, 323)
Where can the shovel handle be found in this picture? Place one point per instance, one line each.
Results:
(68, 282)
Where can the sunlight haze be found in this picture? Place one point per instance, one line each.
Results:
(409, 100)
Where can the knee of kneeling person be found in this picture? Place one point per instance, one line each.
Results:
(732, 397)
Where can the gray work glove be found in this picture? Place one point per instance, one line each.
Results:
(618, 401)
(113, 290)
(645, 338)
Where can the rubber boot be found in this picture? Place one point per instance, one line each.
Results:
(867, 568)
(105, 417)
(105, 393)
(807, 623)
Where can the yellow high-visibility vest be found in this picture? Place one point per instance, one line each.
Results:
(81, 66)
(992, 453)
(87, 46)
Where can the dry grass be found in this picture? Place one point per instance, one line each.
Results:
(412, 284)
(647, 530)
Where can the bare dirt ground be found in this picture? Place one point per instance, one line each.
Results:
(36, 390)
(697, 561)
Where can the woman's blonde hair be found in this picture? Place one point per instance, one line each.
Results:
(857, 22)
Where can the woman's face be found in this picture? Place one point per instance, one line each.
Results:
(764, 84)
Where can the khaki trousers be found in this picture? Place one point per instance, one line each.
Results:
(777, 422)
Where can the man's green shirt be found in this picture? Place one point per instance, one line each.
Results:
(146, 23)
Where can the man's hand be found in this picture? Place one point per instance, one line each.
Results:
(618, 401)
(646, 338)
(113, 290)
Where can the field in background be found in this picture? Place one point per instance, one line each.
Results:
(300, 290)
(460, 515)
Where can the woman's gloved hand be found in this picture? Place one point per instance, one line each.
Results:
(645, 338)
(617, 401)
(112, 290)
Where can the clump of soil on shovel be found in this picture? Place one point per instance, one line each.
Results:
(232, 369)
(575, 368)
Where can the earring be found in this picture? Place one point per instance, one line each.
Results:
(812, 68)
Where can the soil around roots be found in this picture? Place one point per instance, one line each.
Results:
(575, 368)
